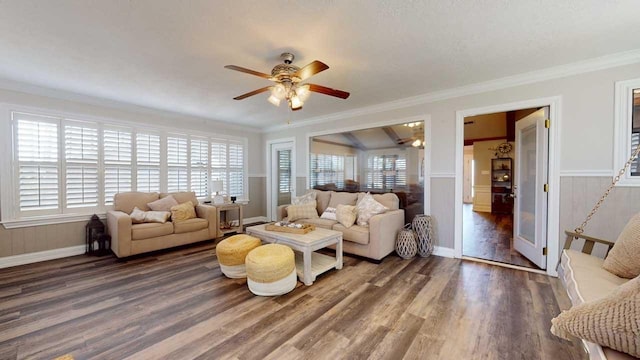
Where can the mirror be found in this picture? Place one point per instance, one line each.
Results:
(377, 160)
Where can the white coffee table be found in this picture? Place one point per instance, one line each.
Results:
(311, 263)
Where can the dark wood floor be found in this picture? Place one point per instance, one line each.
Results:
(490, 236)
(178, 305)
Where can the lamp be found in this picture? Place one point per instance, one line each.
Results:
(295, 94)
(217, 186)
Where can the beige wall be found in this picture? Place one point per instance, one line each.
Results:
(486, 126)
(333, 149)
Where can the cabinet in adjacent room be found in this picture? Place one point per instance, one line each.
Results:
(501, 186)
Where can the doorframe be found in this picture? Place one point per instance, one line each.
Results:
(268, 154)
(427, 148)
(553, 206)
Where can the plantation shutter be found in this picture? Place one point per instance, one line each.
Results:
(117, 146)
(81, 164)
(177, 176)
(236, 169)
(219, 162)
(284, 171)
(635, 166)
(200, 167)
(38, 165)
(148, 162)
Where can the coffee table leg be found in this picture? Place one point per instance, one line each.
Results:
(307, 276)
(339, 255)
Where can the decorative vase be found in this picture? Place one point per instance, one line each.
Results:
(406, 246)
(423, 226)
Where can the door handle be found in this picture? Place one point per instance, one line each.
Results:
(512, 195)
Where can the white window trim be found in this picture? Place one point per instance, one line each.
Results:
(10, 215)
(622, 135)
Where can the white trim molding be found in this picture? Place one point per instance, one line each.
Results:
(49, 220)
(576, 68)
(443, 251)
(30, 258)
(255, 219)
(553, 216)
(622, 133)
(586, 173)
(269, 177)
(443, 175)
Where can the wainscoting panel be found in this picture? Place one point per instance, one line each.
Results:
(482, 198)
(443, 211)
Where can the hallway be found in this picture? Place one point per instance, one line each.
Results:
(490, 236)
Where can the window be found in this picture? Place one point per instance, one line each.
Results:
(284, 171)
(75, 167)
(327, 169)
(386, 172)
(627, 129)
(148, 162)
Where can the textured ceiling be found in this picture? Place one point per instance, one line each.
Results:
(169, 55)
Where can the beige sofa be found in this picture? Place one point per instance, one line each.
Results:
(375, 241)
(130, 239)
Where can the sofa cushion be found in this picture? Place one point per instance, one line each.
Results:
(156, 216)
(343, 198)
(613, 321)
(182, 212)
(357, 234)
(137, 215)
(585, 278)
(150, 230)
(389, 200)
(304, 199)
(367, 207)
(623, 259)
(126, 201)
(346, 215)
(190, 225)
(322, 199)
(163, 204)
(323, 223)
(306, 211)
(182, 197)
(329, 213)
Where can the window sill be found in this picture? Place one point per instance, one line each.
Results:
(48, 220)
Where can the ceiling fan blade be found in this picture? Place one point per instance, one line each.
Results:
(310, 70)
(328, 91)
(254, 92)
(248, 71)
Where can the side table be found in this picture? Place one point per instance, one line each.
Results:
(222, 214)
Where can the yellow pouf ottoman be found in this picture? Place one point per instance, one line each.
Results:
(271, 270)
(231, 253)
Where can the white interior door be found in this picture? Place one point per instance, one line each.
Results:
(531, 174)
(282, 175)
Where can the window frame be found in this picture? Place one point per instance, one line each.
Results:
(623, 129)
(10, 214)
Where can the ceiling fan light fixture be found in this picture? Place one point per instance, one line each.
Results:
(303, 92)
(274, 100)
(416, 143)
(279, 91)
(295, 102)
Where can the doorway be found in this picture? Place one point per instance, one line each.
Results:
(511, 173)
(281, 180)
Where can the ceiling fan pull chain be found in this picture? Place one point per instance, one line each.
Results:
(621, 172)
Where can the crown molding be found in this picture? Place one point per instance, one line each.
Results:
(30, 89)
(576, 68)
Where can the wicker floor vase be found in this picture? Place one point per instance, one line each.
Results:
(406, 246)
(423, 227)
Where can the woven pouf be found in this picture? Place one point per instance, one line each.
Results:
(406, 246)
(271, 270)
(231, 253)
(423, 226)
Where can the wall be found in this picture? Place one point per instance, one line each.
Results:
(587, 118)
(486, 126)
(49, 237)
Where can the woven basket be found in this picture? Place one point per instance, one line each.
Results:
(406, 246)
(233, 250)
(269, 263)
(423, 226)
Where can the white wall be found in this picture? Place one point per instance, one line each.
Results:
(586, 131)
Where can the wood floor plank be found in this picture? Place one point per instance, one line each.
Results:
(176, 304)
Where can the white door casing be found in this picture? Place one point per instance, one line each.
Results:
(530, 181)
(274, 197)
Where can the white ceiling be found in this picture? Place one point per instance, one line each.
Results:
(376, 138)
(169, 54)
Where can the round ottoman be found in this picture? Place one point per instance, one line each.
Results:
(271, 270)
(231, 253)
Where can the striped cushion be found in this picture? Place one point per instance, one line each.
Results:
(306, 211)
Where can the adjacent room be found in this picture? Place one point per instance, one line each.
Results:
(319, 179)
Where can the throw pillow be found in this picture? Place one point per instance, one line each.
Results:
(367, 207)
(182, 212)
(304, 199)
(137, 215)
(613, 321)
(156, 216)
(623, 259)
(163, 204)
(346, 215)
(305, 211)
(329, 214)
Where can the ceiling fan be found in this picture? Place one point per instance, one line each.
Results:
(288, 79)
(417, 135)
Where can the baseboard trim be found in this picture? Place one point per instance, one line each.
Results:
(443, 251)
(254, 219)
(496, 263)
(30, 258)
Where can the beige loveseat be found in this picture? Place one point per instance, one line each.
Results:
(130, 239)
(375, 241)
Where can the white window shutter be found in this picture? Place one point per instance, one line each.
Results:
(81, 158)
(117, 163)
(177, 177)
(148, 162)
(200, 167)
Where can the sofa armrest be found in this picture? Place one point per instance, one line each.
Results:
(119, 227)
(210, 214)
(282, 212)
(383, 229)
